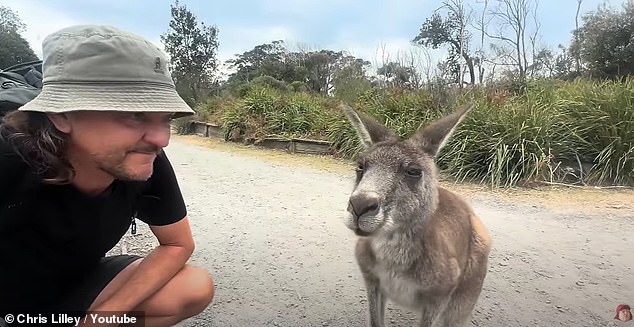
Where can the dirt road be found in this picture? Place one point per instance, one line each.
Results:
(268, 226)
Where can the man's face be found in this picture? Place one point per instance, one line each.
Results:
(625, 315)
(122, 144)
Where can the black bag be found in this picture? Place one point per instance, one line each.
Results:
(19, 84)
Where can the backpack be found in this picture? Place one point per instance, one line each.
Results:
(19, 84)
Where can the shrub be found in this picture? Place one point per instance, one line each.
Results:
(603, 115)
(545, 130)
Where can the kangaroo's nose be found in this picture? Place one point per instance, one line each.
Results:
(363, 204)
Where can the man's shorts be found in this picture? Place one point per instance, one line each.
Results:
(80, 298)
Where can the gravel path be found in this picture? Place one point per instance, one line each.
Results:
(272, 236)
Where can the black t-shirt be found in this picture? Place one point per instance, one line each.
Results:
(52, 235)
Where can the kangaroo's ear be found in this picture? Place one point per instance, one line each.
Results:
(434, 136)
(368, 129)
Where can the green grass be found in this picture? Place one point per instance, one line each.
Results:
(539, 133)
(603, 116)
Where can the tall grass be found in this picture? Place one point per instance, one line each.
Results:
(549, 131)
(402, 111)
(264, 111)
(603, 114)
(503, 144)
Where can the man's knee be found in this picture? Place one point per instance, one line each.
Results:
(187, 294)
(198, 289)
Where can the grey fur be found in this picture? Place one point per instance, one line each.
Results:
(420, 245)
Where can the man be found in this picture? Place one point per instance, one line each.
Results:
(77, 163)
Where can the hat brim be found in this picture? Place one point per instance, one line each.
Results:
(124, 97)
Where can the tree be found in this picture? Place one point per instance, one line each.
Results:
(451, 30)
(576, 55)
(351, 79)
(605, 42)
(513, 14)
(250, 64)
(544, 64)
(565, 65)
(193, 50)
(10, 20)
(321, 71)
(397, 75)
(269, 59)
(323, 67)
(15, 49)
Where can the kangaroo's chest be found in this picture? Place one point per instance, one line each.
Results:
(400, 288)
(408, 279)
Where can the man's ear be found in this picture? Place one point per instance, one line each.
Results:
(433, 137)
(61, 122)
(368, 129)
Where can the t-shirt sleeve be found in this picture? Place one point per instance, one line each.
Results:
(161, 202)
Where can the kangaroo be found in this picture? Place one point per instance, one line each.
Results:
(420, 245)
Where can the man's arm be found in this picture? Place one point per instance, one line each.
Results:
(175, 247)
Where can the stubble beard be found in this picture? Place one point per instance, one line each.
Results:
(115, 165)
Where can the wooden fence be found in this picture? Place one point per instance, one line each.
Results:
(290, 145)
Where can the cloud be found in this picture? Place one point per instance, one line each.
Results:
(41, 20)
(302, 10)
(373, 32)
(234, 40)
(238, 39)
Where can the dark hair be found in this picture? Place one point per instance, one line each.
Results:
(39, 143)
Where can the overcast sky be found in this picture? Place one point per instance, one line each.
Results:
(368, 29)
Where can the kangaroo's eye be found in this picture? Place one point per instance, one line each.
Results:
(414, 172)
(360, 168)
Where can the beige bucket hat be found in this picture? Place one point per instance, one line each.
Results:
(103, 68)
